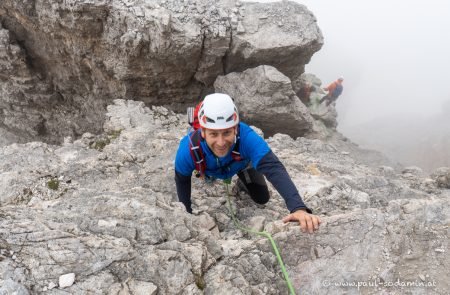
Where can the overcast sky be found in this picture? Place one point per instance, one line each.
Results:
(394, 56)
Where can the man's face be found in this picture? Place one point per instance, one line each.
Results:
(220, 141)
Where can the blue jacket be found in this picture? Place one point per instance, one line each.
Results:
(253, 149)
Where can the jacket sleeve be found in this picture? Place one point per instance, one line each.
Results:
(276, 173)
(183, 184)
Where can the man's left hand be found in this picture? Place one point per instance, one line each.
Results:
(308, 222)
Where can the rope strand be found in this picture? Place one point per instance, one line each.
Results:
(264, 234)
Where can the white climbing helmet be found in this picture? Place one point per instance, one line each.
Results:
(218, 112)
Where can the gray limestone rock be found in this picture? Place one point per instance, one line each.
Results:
(64, 62)
(287, 26)
(11, 287)
(442, 177)
(104, 208)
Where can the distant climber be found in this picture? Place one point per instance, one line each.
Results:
(223, 147)
(305, 93)
(334, 91)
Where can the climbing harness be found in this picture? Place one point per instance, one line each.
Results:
(260, 233)
(197, 153)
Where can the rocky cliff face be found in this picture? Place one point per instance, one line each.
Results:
(104, 209)
(63, 62)
(98, 212)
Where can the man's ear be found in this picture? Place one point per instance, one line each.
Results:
(202, 132)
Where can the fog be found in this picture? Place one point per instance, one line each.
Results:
(394, 57)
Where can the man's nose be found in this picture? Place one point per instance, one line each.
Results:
(221, 140)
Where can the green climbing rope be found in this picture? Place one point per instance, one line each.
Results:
(264, 234)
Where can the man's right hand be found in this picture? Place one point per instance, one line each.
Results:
(308, 222)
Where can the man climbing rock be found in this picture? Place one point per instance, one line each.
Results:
(223, 147)
(334, 91)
